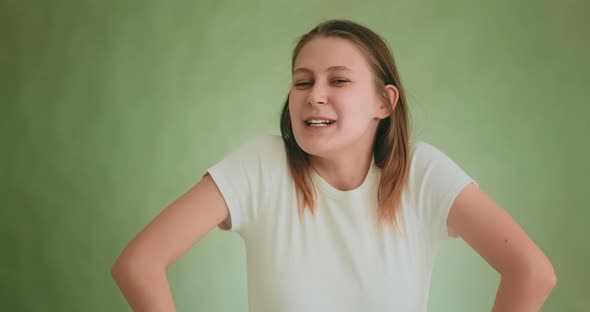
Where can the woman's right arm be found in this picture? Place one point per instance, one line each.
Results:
(140, 269)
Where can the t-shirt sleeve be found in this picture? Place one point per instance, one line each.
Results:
(440, 180)
(237, 177)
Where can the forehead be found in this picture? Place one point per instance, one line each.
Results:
(330, 54)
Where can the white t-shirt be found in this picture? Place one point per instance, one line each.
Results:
(335, 260)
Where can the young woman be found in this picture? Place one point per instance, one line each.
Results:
(341, 212)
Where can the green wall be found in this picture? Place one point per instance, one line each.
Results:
(112, 109)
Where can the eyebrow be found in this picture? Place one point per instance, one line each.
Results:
(331, 68)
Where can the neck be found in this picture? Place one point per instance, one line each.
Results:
(344, 172)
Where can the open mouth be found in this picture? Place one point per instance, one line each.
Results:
(319, 123)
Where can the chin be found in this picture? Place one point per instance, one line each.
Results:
(314, 147)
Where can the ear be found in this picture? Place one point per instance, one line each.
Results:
(391, 93)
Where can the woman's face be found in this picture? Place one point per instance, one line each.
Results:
(332, 79)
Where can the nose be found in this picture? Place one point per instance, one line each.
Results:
(317, 95)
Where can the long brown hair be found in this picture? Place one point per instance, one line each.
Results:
(391, 146)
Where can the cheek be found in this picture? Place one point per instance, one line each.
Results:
(353, 115)
(292, 108)
(294, 112)
(295, 98)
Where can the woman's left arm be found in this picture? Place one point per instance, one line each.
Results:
(527, 274)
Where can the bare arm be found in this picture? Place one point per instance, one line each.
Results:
(140, 270)
(527, 274)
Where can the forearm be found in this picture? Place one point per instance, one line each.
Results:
(145, 288)
(521, 293)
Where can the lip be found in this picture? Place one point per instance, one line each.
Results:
(318, 129)
(318, 118)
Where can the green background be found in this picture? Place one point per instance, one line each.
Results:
(112, 109)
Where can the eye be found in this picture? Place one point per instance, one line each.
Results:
(336, 81)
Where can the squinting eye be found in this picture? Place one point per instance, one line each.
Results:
(338, 81)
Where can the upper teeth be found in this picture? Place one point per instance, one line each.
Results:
(319, 121)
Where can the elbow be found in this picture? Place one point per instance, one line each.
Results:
(122, 265)
(538, 274)
(544, 275)
(544, 282)
(125, 266)
(549, 278)
(119, 267)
